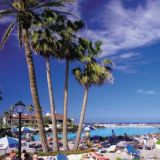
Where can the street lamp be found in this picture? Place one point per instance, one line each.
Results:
(19, 108)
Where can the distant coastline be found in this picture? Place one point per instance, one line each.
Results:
(126, 124)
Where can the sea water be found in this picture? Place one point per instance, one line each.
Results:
(104, 132)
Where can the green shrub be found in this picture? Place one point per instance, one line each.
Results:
(158, 142)
(65, 152)
(118, 158)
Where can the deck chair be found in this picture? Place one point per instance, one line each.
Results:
(62, 157)
(98, 156)
(132, 150)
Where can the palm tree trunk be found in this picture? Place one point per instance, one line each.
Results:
(30, 117)
(65, 141)
(52, 106)
(80, 126)
(34, 91)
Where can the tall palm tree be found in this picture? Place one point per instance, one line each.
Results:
(92, 74)
(11, 114)
(24, 13)
(68, 50)
(53, 41)
(31, 110)
(44, 43)
(6, 116)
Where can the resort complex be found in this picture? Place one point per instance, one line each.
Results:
(79, 80)
(30, 120)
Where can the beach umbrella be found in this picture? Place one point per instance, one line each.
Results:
(89, 128)
(6, 142)
(14, 130)
(86, 129)
(28, 129)
(23, 129)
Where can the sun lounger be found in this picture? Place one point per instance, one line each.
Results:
(112, 148)
(102, 150)
(132, 151)
(62, 157)
(50, 158)
(98, 156)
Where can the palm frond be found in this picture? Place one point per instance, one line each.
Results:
(6, 34)
(49, 4)
(20, 35)
(67, 13)
(5, 12)
(37, 18)
(107, 62)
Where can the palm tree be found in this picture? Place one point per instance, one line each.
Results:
(44, 43)
(92, 74)
(23, 14)
(31, 110)
(11, 114)
(6, 116)
(68, 50)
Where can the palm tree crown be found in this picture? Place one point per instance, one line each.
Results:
(92, 72)
(24, 13)
(68, 45)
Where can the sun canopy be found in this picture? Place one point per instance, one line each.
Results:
(88, 128)
(6, 142)
(24, 129)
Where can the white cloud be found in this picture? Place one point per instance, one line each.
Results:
(129, 55)
(125, 62)
(125, 69)
(149, 92)
(127, 28)
(73, 9)
(124, 29)
(126, 57)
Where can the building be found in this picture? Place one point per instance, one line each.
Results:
(59, 120)
(27, 119)
(14, 119)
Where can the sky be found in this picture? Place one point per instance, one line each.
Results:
(130, 31)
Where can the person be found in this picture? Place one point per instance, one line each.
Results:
(113, 133)
(23, 153)
(27, 157)
(145, 143)
(49, 138)
(125, 136)
(35, 157)
(12, 155)
(99, 145)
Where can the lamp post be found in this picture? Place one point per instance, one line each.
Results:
(19, 108)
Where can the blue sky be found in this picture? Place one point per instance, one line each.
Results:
(130, 31)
